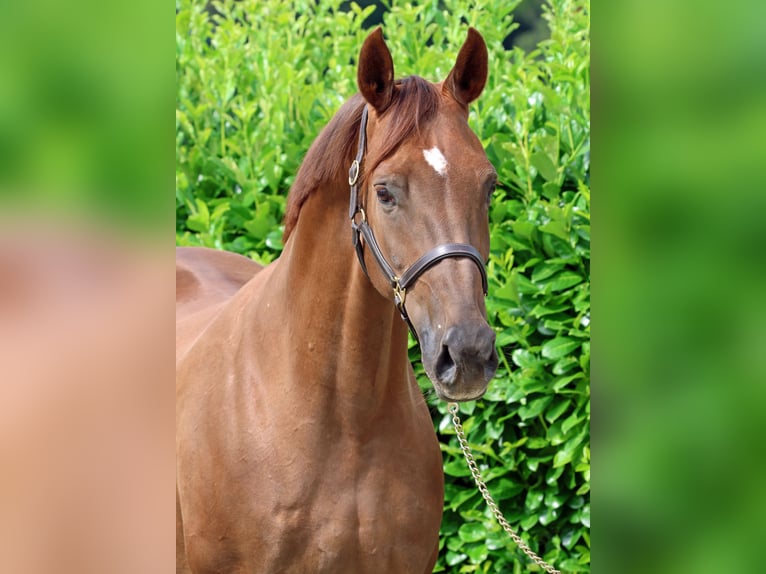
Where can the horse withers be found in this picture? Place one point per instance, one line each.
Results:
(304, 444)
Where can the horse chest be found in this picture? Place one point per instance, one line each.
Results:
(359, 515)
(333, 506)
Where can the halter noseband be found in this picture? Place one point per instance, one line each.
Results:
(361, 229)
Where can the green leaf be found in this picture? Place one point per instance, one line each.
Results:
(199, 221)
(553, 475)
(534, 408)
(556, 228)
(551, 190)
(219, 210)
(504, 488)
(522, 284)
(534, 500)
(577, 502)
(274, 240)
(544, 165)
(571, 421)
(562, 382)
(455, 558)
(507, 292)
(542, 310)
(537, 442)
(556, 410)
(564, 365)
(524, 358)
(498, 212)
(564, 280)
(528, 521)
(570, 448)
(261, 223)
(563, 457)
(523, 229)
(548, 515)
(505, 338)
(570, 537)
(559, 347)
(457, 467)
(544, 270)
(472, 532)
(457, 499)
(477, 553)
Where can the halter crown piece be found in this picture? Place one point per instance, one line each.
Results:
(362, 234)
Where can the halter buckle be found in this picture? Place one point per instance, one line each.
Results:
(400, 294)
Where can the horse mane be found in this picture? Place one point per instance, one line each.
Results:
(414, 105)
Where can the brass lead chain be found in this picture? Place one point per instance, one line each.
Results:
(453, 409)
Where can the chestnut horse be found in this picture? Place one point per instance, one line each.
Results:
(304, 444)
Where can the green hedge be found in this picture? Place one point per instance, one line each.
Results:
(255, 85)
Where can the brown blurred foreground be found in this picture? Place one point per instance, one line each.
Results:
(86, 403)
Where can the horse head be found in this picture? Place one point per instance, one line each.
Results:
(425, 185)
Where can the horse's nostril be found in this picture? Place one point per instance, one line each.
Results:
(445, 366)
(471, 344)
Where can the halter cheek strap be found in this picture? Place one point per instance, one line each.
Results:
(362, 234)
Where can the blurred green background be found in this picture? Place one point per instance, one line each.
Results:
(84, 111)
(679, 100)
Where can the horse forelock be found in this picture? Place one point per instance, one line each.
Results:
(415, 104)
(329, 158)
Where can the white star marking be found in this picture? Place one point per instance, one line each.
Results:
(436, 160)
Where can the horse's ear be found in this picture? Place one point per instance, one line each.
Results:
(466, 80)
(375, 75)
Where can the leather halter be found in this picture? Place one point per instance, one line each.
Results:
(362, 230)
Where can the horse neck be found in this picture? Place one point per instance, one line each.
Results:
(351, 339)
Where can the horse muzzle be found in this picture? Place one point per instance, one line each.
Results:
(462, 363)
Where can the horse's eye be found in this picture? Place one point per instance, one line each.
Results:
(385, 197)
(491, 192)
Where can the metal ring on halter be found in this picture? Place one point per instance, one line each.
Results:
(400, 293)
(353, 173)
